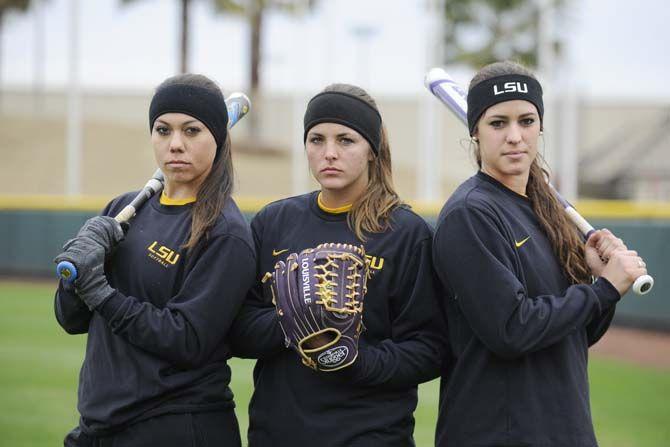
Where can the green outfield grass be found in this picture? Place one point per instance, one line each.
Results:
(40, 365)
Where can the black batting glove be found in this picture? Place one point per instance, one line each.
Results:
(89, 257)
(87, 251)
(103, 230)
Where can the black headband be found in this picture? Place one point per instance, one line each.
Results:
(348, 110)
(198, 102)
(500, 89)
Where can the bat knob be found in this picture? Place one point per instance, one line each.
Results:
(66, 271)
(433, 75)
(643, 284)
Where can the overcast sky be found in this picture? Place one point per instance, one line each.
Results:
(617, 48)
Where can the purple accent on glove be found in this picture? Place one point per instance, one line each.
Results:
(319, 300)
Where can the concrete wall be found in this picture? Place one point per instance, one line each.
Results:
(30, 239)
(117, 155)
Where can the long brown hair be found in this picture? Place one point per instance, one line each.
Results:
(371, 212)
(217, 187)
(562, 234)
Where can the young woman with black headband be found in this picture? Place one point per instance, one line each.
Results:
(157, 304)
(370, 402)
(526, 296)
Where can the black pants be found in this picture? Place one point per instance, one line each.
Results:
(212, 429)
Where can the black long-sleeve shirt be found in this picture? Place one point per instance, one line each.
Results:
(158, 345)
(519, 330)
(372, 401)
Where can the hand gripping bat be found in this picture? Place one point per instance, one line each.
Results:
(443, 86)
(237, 104)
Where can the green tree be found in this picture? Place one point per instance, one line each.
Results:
(478, 32)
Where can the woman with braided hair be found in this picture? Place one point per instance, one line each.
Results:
(521, 300)
(371, 401)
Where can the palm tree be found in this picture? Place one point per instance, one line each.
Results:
(184, 6)
(506, 29)
(253, 11)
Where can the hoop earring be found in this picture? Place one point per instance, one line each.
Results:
(474, 140)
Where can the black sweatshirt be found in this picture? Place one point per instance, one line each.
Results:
(159, 344)
(372, 401)
(519, 330)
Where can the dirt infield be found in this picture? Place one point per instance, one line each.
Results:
(635, 346)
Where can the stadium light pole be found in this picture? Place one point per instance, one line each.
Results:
(363, 34)
(428, 166)
(559, 116)
(569, 111)
(299, 174)
(546, 65)
(561, 108)
(74, 125)
(38, 56)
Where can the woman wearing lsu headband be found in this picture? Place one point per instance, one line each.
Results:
(158, 314)
(371, 402)
(521, 302)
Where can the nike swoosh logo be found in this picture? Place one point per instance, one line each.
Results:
(520, 243)
(278, 252)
